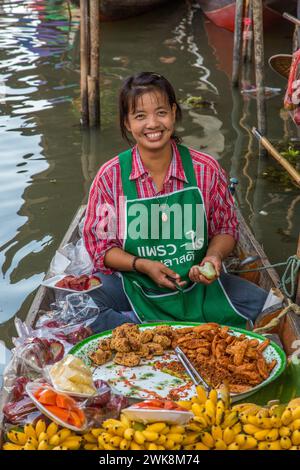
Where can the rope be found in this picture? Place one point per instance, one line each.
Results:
(275, 321)
(289, 276)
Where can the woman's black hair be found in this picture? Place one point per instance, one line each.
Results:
(135, 86)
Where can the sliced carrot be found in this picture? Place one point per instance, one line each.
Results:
(38, 392)
(47, 397)
(59, 412)
(67, 403)
(80, 414)
(74, 419)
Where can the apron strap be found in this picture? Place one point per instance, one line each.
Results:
(129, 186)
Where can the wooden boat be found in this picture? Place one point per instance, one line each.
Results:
(287, 330)
(222, 12)
(111, 10)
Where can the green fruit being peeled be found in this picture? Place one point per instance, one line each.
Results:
(208, 270)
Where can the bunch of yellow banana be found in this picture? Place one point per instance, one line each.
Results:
(124, 434)
(42, 437)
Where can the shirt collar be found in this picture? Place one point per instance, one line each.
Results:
(175, 170)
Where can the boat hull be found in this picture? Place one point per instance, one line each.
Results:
(222, 12)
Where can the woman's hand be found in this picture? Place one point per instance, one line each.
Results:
(195, 274)
(159, 273)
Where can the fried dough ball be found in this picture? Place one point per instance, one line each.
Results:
(104, 344)
(163, 340)
(155, 349)
(143, 351)
(163, 330)
(146, 336)
(120, 344)
(128, 359)
(100, 356)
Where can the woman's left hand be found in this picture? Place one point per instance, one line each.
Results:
(196, 276)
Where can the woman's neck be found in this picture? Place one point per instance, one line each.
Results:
(157, 162)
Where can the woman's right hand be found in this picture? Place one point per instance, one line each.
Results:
(158, 272)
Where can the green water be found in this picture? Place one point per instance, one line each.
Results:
(47, 162)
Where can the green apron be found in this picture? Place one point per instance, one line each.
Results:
(179, 243)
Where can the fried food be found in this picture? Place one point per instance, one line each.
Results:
(100, 356)
(130, 359)
(219, 355)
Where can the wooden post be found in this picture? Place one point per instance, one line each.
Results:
(237, 41)
(84, 61)
(93, 78)
(259, 65)
(248, 56)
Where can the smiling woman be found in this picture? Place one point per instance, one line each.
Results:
(159, 173)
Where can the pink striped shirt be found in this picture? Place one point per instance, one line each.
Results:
(107, 189)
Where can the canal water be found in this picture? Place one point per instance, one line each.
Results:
(47, 162)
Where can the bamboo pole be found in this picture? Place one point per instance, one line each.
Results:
(259, 64)
(280, 159)
(84, 61)
(93, 78)
(237, 41)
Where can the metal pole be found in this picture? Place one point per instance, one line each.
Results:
(237, 41)
(259, 64)
(84, 61)
(93, 78)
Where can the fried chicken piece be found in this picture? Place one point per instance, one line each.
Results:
(240, 353)
(128, 359)
(120, 344)
(164, 330)
(146, 336)
(262, 366)
(165, 341)
(123, 330)
(263, 345)
(105, 344)
(143, 351)
(100, 357)
(155, 349)
(134, 340)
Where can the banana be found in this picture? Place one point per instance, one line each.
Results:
(202, 420)
(287, 416)
(217, 432)
(125, 421)
(220, 412)
(152, 446)
(96, 432)
(250, 443)
(296, 437)
(265, 423)
(115, 441)
(40, 427)
(162, 439)
(233, 446)
(263, 445)
(197, 409)
(17, 437)
(156, 427)
(201, 394)
(150, 436)
(275, 445)
(91, 447)
(261, 435)
(54, 440)
(295, 425)
(59, 448)
(207, 440)
(230, 419)
(240, 439)
(139, 438)
(276, 421)
(29, 430)
(124, 444)
(272, 435)
(191, 438)
(210, 410)
(169, 444)
(51, 429)
(213, 396)
(166, 430)
(220, 444)
(296, 413)
(295, 448)
(43, 445)
(33, 441)
(228, 436)
(285, 443)
(177, 429)
(176, 437)
(251, 429)
(194, 426)
(63, 434)
(73, 442)
(237, 428)
(187, 405)
(43, 437)
(262, 413)
(200, 446)
(128, 434)
(285, 431)
(90, 438)
(29, 446)
(11, 446)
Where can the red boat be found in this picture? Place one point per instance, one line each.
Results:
(222, 12)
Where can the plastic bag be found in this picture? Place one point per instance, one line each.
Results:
(72, 259)
(292, 95)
